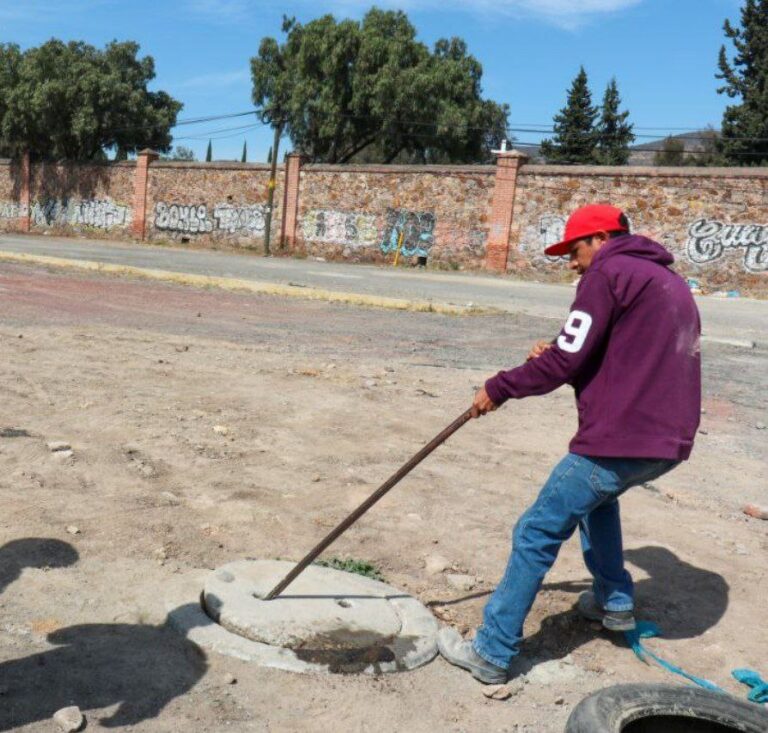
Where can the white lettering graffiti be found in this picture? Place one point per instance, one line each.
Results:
(180, 218)
(94, 213)
(11, 210)
(708, 239)
(352, 229)
(240, 219)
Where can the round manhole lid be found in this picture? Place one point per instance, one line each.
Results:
(322, 610)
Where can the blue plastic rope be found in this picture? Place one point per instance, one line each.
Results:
(759, 691)
(648, 630)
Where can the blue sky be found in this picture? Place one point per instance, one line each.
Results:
(663, 53)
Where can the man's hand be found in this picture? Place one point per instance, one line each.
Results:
(539, 349)
(482, 404)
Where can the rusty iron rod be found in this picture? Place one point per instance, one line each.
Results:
(367, 504)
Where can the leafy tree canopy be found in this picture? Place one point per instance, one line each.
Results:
(345, 89)
(73, 101)
(744, 129)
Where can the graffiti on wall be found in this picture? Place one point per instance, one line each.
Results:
(348, 228)
(182, 218)
(96, 213)
(414, 227)
(708, 240)
(11, 210)
(247, 220)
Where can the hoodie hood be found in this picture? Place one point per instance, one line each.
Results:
(634, 245)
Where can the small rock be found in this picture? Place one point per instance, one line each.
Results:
(460, 581)
(760, 426)
(370, 383)
(58, 445)
(317, 478)
(73, 530)
(171, 498)
(741, 550)
(63, 454)
(436, 564)
(559, 701)
(229, 679)
(69, 719)
(704, 432)
(758, 512)
(221, 430)
(496, 692)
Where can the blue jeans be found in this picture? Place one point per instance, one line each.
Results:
(581, 492)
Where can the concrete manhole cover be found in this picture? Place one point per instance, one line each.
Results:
(326, 620)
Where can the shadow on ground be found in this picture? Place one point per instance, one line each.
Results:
(140, 668)
(682, 599)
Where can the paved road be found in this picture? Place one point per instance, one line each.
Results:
(740, 319)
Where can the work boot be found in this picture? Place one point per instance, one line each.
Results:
(461, 653)
(611, 620)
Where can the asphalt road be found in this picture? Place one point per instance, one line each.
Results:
(724, 320)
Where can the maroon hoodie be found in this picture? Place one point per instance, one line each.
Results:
(630, 348)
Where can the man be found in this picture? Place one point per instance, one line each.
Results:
(630, 348)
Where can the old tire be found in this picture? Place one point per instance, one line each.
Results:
(665, 708)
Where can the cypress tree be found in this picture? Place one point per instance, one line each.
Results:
(269, 157)
(209, 153)
(614, 133)
(575, 136)
(746, 78)
(244, 156)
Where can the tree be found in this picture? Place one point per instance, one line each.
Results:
(614, 133)
(244, 156)
(269, 155)
(347, 88)
(209, 153)
(74, 101)
(180, 152)
(575, 138)
(672, 153)
(744, 129)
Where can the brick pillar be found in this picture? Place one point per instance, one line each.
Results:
(140, 178)
(507, 166)
(291, 201)
(25, 194)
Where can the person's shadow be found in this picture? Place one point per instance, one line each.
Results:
(33, 552)
(681, 599)
(140, 668)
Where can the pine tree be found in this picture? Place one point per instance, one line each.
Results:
(244, 156)
(575, 136)
(744, 138)
(209, 153)
(671, 153)
(614, 133)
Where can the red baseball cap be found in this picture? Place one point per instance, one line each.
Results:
(586, 221)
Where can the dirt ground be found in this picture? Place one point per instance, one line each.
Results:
(208, 426)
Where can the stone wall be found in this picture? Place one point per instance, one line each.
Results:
(715, 221)
(91, 199)
(11, 209)
(214, 204)
(364, 213)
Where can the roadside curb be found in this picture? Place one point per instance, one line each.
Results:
(254, 286)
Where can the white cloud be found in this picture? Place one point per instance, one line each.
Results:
(563, 13)
(216, 79)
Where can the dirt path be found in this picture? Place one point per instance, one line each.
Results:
(314, 405)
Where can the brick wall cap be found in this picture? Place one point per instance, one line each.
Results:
(514, 154)
(414, 169)
(217, 166)
(643, 171)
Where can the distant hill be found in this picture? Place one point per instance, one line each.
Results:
(642, 153)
